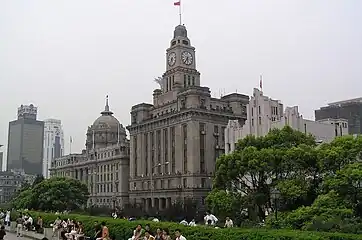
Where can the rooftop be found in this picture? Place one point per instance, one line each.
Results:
(354, 100)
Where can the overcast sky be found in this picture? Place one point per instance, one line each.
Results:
(65, 56)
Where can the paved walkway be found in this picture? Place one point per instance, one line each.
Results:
(12, 236)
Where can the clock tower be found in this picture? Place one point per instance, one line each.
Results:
(180, 62)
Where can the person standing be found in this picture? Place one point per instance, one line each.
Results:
(228, 223)
(2, 232)
(7, 218)
(19, 226)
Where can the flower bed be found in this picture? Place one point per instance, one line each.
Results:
(123, 229)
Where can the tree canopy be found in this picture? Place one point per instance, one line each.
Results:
(53, 194)
(292, 162)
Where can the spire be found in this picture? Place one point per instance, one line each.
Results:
(106, 109)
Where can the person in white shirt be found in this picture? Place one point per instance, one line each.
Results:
(184, 222)
(192, 223)
(228, 223)
(179, 235)
(210, 219)
(7, 218)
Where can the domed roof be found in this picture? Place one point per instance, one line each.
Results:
(106, 120)
(180, 31)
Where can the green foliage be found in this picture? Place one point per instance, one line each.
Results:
(320, 185)
(38, 179)
(122, 229)
(226, 204)
(54, 193)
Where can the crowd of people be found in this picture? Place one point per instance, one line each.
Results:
(68, 229)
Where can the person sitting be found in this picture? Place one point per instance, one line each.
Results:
(80, 232)
(56, 227)
(137, 233)
(39, 225)
(148, 236)
(28, 223)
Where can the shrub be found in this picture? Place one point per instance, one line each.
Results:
(123, 229)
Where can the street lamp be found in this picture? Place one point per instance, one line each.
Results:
(274, 195)
(151, 178)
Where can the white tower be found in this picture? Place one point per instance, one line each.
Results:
(53, 143)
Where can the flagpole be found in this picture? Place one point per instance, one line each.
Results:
(180, 13)
(70, 145)
(261, 82)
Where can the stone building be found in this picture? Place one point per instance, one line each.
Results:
(175, 141)
(348, 109)
(265, 114)
(103, 165)
(10, 182)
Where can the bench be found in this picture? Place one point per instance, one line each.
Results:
(47, 232)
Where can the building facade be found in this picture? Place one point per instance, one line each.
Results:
(1, 160)
(25, 141)
(265, 114)
(104, 165)
(348, 109)
(10, 182)
(53, 143)
(175, 141)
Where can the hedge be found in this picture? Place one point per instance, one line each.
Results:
(123, 229)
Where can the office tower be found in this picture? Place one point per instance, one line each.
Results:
(53, 143)
(25, 141)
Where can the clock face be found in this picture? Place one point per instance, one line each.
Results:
(171, 59)
(186, 58)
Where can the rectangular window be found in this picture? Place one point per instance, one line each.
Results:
(135, 154)
(165, 148)
(173, 162)
(259, 109)
(159, 150)
(193, 81)
(252, 111)
(146, 154)
(203, 182)
(185, 81)
(152, 152)
(184, 132)
(202, 149)
(189, 80)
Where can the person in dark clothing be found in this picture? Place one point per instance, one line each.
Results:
(2, 232)
(97, 231)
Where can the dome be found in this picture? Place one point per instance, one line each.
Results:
(180, 31)
(106, 121)
(105, 131)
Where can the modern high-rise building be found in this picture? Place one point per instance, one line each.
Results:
(176, 140)
(25, 141)
(1, 158)
(53, 143)
(348, 109)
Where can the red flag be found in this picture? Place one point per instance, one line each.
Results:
(177, 3)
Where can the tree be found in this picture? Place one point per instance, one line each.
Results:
(264, 162)
(347, 182)
(38, 179)
(54, 194)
